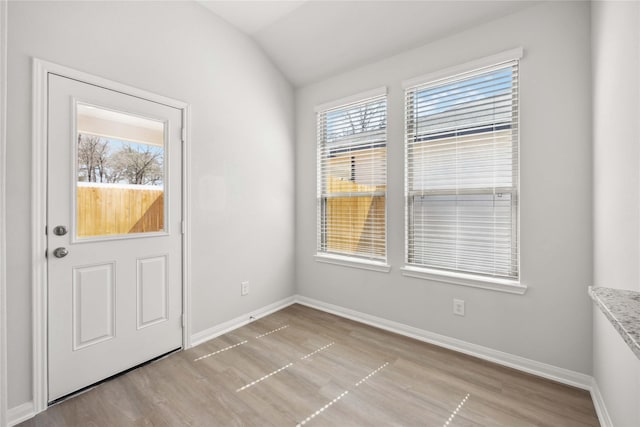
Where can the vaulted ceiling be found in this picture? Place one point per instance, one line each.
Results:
(313, 39)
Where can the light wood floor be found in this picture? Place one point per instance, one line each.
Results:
(300, 366)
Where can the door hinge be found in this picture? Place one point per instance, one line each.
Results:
(46, 253)
(184, 227)
(184, 321)
(184, 134)
(46, 230)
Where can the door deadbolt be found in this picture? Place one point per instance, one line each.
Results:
(60, 252)
(60, 230)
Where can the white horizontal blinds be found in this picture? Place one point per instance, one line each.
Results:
(462, 172)
(352, 179)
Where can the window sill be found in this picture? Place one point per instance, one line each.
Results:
(493, 284)
(354, 262)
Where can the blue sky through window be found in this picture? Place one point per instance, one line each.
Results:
(116, 145)
(450, 96)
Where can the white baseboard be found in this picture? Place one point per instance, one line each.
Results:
(561, 375)
(223, 328)
(601, 408)
(20, 413)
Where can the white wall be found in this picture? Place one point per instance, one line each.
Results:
(616, 140)
(242, 146)
(616, 219)
(551, 323)
(3, 163)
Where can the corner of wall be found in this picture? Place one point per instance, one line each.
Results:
(598, 403)
(217, 330)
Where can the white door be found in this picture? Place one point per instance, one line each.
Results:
(114, 233)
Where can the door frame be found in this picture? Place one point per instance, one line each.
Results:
(41, 70)
(3, 236)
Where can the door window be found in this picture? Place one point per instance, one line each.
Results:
(120, 173)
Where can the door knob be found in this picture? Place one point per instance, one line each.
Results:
(60, 230)
(60, 252)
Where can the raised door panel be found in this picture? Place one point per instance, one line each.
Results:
(93, 305)
(152, 291)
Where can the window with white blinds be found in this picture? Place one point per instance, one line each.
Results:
(352, 178)
(461, 172)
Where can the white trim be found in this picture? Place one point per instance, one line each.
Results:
(186, 230)
(222, 328)
(359, 97)
(490, 283)
(561, 375)
(486, 61)
(3, 239)
(598, 403)
(20, 413)
(41, 69)
(38, 245)
(345, 261)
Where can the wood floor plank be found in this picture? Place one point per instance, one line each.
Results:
(301, 366)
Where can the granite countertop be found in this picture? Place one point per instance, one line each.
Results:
(622, 308)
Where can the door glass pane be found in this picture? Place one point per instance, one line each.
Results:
(120, 170)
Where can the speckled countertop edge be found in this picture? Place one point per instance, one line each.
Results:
(622, 308)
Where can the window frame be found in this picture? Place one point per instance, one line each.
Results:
(461, 277)
(340, 258)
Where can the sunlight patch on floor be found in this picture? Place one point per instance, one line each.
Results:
(264, 378)
(455, 411)
(271, 332)
(220, 351)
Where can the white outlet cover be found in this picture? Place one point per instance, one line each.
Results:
(458, 307)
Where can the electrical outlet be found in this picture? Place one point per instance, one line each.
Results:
(244, 288)
(458, 307)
